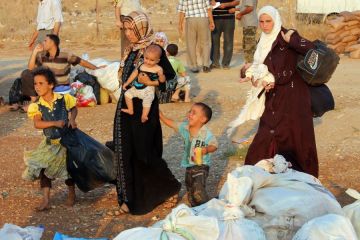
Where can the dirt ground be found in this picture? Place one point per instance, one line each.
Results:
(95, 213)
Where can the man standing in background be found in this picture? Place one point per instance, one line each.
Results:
(249, 22)
(224, 23)
(124, 8)
(199, 24)
(49, 19)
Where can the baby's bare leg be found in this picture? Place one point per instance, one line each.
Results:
(145, 113)
(130, 106)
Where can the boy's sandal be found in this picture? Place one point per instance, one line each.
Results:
(175, 100)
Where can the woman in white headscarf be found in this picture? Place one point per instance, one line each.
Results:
(286, 126)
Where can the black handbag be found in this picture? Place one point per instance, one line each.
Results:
(321, 100)
(318, 64)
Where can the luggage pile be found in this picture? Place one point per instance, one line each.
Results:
(267, 201)
(343, 34)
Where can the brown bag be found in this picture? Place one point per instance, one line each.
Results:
(336, 23)
(355, 31)
(353, 48)
(352, 22)
(348, 16)
(344, 34)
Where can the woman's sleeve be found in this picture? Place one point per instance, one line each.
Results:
(70, 101)
(300, 44)
(33, 110)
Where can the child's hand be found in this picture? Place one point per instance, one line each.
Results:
(204, 151)
(124, 86)
(72, 124)
(60, 124)
(160, 72)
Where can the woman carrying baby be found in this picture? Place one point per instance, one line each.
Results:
(286, 125)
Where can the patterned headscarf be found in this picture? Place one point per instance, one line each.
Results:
(140, 24)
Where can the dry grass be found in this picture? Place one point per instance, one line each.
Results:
(80, 24)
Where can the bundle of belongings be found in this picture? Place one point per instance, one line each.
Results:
(266, 201)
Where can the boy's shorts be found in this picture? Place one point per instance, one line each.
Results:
(195, 181)
(147, 95)
(183, 83)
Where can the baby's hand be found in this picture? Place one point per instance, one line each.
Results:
(160, 72)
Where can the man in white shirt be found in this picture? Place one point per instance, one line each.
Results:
(124, 8)
(49, 19)
(199, 24)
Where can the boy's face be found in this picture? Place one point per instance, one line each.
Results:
(151, 58)
(196, 116)
(41, 85)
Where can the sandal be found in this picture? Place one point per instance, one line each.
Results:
(175, 100)
(172, 201)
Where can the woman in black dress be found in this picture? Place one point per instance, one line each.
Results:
(144, 180)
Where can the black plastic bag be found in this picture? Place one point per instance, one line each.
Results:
(318, 64)
(89, 163)
(321, 100)
(90, 80)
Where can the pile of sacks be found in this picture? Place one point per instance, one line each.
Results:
(268, 201)
(344, 33)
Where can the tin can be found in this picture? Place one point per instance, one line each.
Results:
(198, 156)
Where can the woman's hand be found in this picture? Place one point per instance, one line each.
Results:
(287, 36)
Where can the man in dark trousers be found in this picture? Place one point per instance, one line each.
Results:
(224, 24)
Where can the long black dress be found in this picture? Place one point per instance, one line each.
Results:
(144, 179)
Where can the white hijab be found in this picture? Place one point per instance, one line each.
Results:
(267, 39)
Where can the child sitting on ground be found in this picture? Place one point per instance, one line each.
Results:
(50, 113)
(199, 142)
(183, 81)
(146, 93)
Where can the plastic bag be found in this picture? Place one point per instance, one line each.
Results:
(59, 236)
(89, 163)
(84, 94)
(180, 224)
(352, 211)
(13, 232)
(91, 81)
(108, 77)
(329, 226)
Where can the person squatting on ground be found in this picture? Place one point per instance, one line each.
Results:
(50, 113)
(124, 8)
(49, 19)
(224, 25)
(199, 24)
(183, 81)
(249, 22)
(48, 54)
(151, 68)
(199, 141)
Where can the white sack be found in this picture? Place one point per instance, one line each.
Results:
(232, 224)
(352, 211)
(107, 77)
(13, 232)
(328, 227)
(148, 234)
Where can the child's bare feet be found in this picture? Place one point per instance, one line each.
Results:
(127, 111)
(70, 201)
(144, 118)
(44, 205)
(172, 201)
